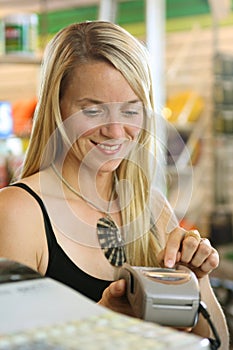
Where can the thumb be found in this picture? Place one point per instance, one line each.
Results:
(117, 288)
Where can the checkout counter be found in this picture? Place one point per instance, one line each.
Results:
(41, 313)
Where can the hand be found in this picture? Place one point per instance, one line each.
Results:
(115, 299)
(190, 250)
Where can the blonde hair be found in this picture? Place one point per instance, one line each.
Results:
(74, 45)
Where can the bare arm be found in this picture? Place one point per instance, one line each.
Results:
(21, 222)
(216, 314)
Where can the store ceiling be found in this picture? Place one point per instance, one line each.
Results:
(6, 6)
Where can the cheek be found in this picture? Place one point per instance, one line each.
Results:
(134, 129)
(76, 127)
(134, 132)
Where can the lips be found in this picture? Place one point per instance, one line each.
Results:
(108, 148)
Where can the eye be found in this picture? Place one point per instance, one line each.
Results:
(93, 111)
(132, 110)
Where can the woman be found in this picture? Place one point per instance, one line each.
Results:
(86, 204)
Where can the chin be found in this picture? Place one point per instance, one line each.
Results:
(110, 166)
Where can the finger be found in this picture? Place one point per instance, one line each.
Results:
(160, 258)
(117, 288)
(172, 248)
(193, 233)
(112, 292)
(202, 252)
(211, 263)
(178, 257)
(190, 245)
(114, 298)
(206, 257)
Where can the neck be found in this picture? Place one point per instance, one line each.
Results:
(93, 185)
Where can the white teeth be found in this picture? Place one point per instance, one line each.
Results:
(108, 148)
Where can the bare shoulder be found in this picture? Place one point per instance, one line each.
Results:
(15, 201)
(21, 229)
(11, 194)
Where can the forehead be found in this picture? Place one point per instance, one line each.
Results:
(100, 81)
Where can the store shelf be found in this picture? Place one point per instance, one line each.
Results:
(189, 68)
(20, 59)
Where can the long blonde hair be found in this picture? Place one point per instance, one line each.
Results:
(78, 44)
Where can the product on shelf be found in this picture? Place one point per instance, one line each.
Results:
(184, 107)
(22, 112)
(20, 33)
(6, 122)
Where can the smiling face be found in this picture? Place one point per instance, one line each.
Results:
(104, 113)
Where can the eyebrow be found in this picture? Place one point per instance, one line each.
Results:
(90, 100)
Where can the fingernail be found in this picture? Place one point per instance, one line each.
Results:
(169, 263)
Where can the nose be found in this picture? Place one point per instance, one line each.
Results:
(113, 130)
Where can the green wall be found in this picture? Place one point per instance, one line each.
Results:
(180, 15)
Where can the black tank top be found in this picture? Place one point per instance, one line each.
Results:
(60, 267)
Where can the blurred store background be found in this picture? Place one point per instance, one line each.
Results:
(192, 56)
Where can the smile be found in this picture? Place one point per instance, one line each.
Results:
(109, 147)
